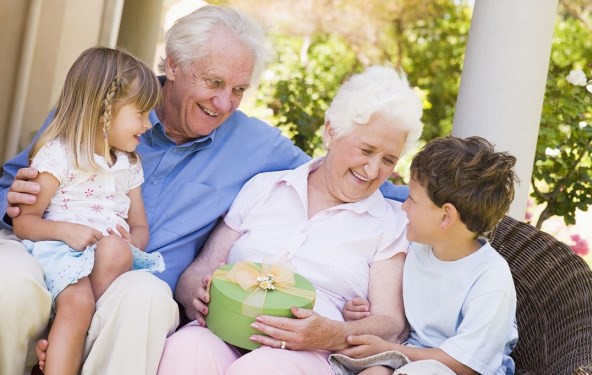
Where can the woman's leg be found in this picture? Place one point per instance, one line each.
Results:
(271, 361)
(113, 257)
(194, 350)
(75, 307)
(26, 305)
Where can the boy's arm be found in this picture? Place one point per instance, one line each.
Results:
(136, 219)
(30, 224)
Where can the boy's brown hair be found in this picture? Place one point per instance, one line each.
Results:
(469, 174)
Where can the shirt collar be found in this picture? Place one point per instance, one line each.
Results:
(156, 136)
(373, 205)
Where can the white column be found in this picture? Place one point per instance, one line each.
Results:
(503, 80)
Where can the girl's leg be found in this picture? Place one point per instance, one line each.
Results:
(196, 350)
(75, 307)
(377, 370)
(113, 257)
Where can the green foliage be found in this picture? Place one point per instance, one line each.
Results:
(562, 173)
(433, 53)
(299, 90)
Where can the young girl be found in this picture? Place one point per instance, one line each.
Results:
(88, 224)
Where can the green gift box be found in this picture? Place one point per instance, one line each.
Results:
(241, 292)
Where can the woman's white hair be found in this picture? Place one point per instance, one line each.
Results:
(378, 90)
(188, 40)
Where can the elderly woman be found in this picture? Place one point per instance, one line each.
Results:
(329, 218)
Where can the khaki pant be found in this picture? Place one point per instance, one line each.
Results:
(127, 333)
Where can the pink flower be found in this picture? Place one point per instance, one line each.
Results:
(580, 245)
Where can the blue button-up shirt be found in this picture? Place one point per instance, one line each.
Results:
(189, 187)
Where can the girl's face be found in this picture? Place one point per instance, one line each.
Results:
(359, 162)
(128, 124)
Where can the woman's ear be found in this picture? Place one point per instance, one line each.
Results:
(449, 217)
(170, 69)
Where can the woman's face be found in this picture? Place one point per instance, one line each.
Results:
(358, 163)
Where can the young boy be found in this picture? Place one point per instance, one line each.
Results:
(458, 291)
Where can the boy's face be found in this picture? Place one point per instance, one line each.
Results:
(423, 215)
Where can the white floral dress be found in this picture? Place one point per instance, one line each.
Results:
(94, 198)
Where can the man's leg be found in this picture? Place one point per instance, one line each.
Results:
(133, 319)
(26, 306)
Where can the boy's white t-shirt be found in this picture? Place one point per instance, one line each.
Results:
(467, 308)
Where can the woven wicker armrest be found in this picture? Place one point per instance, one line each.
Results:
(554, 293)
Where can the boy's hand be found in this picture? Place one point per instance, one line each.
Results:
(366, 345)
(356, 309)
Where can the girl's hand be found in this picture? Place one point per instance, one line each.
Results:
(79, 236)
(120, 232)
(366, 345)
(356, 309)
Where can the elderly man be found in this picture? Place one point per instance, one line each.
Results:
(198, 154)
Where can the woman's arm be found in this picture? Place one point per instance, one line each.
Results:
(30, 224)
(191, 290)
(136, 219)
(313, 332)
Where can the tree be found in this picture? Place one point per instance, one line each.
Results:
(562, 174)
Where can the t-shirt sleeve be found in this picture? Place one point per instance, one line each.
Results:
(481, 341)
(53, 158)
(136, 175)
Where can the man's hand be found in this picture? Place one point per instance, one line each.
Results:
(22, 191)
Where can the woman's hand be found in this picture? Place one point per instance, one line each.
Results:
(309, 331)
(22, 191)
(197, 309)
(356, 309)
(366, 345)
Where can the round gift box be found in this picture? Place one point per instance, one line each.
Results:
(225, 316)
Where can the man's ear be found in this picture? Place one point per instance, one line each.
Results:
(170, 68)
(449, 217)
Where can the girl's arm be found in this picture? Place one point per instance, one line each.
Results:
(136, 219)
(30, 224)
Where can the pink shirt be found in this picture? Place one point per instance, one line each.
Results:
(333, 250)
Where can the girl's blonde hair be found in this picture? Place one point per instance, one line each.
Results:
(99, 82)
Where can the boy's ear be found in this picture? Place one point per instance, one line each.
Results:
(449, 217)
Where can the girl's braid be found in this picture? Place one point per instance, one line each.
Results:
(115, 84)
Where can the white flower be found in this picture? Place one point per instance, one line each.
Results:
(589, 88)
(577, 78)
(552, 152)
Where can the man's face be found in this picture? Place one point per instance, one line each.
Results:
(200, 97)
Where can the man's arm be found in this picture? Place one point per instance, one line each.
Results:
(15, 187)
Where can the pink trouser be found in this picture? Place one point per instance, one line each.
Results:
(196, 350)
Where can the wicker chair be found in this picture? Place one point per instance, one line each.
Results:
(554, 292)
